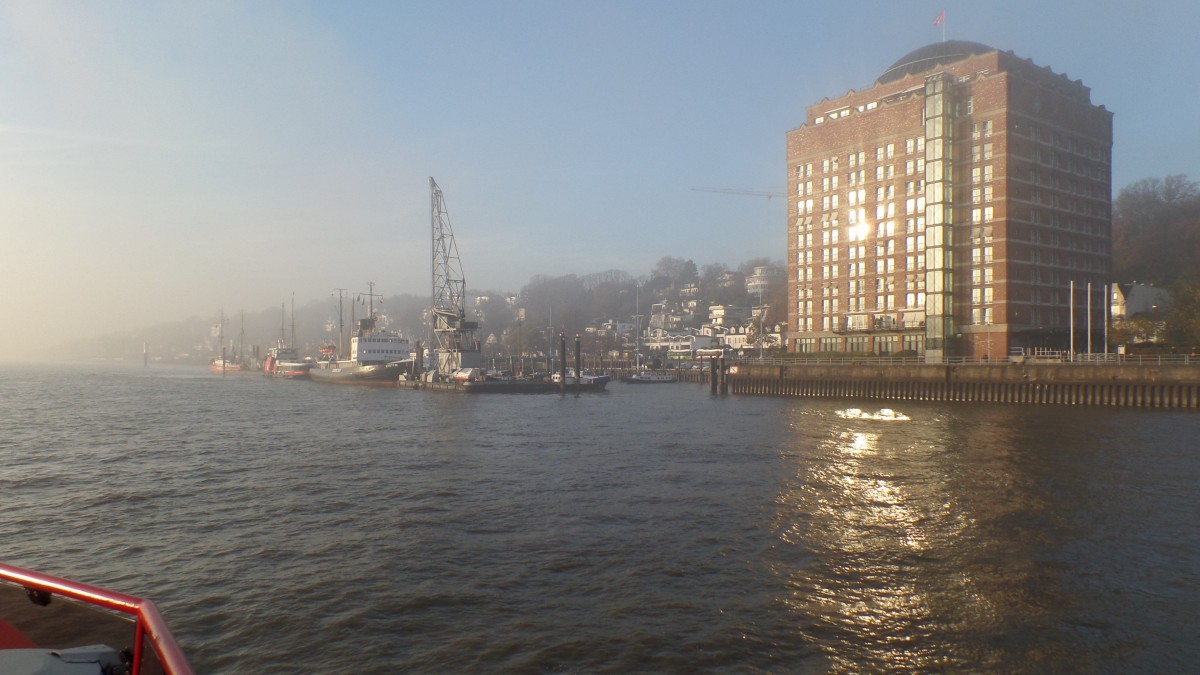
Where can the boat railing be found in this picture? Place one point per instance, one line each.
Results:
(148, 623)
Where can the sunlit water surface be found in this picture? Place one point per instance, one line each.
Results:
(298, 527)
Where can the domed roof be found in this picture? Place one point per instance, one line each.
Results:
(925, 58)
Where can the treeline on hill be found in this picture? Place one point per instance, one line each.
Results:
(1156, 241)
(569, 303)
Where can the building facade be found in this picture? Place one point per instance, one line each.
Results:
(957, 207)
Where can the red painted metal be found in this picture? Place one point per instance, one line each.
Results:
(149, 623)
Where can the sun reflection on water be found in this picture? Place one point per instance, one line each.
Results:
(874, 515)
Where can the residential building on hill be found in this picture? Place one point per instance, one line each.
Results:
(957, 207)
(1131, 300)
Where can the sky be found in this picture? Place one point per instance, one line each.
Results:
(163, 160)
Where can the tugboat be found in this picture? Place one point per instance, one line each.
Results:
(285, 362)
(56, 626)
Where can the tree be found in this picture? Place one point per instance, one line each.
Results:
(1183, 318)
(1156, 230)
(670, 267)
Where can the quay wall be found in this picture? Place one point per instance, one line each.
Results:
(1141, 386)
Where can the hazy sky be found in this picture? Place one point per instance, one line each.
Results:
(160, 160)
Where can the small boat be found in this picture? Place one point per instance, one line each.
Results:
(286, 363)
(476, 381)
(225, 364)
(587, 379)
(220, 365)
(56, 626)
(649, 377)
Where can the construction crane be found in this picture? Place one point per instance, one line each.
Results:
(748, 193)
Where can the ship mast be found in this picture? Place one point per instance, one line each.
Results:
(454, 344)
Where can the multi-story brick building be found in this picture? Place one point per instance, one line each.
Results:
(952, 209)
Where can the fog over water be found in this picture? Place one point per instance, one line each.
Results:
(165, 162)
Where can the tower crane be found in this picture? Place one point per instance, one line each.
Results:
(748, 193)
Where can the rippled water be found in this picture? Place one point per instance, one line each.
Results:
(292, 526)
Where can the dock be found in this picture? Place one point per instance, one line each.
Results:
(1141, 385)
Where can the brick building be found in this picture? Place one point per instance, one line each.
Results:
(948, 208)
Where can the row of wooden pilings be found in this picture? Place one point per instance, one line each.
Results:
(1134, 387)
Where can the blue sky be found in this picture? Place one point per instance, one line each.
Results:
(166, 160)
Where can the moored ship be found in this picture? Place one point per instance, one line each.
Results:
(376, 358)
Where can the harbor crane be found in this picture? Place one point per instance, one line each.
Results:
(454, 345)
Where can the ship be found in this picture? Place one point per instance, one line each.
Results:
(377, 357)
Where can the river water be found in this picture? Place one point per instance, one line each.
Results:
(298, 527)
